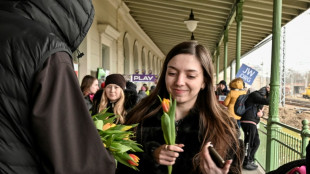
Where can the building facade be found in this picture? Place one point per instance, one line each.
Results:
(117, 44)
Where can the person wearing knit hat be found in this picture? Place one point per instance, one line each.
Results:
(222, 88)
(117, 79)
(113, 97)
(131, 86)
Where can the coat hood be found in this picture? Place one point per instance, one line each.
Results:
(69, 20)
(263, 92)
(237, 83)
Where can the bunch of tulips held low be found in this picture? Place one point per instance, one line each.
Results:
(117, 139)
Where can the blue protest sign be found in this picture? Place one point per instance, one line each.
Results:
(143, 78)
(248, 74)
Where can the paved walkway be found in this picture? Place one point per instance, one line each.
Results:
(259, 170)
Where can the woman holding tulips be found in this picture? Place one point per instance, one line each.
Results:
(187, 76)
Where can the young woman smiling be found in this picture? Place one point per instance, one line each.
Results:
(187, 75)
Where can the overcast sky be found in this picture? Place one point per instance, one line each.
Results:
(297, 47)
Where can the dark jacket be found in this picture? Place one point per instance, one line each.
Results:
(141, 95)
(255, 101)
(45, 126)
(96, 102)
(219, 91)
(88, 102)
(149, 134)
(131, 99)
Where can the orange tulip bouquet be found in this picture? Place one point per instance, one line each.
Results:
(117, 139)
(168, 122)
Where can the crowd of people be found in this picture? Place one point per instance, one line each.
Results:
(46, 124)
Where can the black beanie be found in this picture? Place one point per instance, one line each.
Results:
(117, 79)
(131, 86)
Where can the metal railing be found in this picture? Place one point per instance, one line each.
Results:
(290, 143)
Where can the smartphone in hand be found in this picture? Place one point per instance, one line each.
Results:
(218, 160)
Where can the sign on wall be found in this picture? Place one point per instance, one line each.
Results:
(143, 78)
(247, 73)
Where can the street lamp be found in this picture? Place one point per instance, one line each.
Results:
(191, 24)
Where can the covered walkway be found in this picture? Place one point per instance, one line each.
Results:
(229, 29)
(219, 23)
(130, 36)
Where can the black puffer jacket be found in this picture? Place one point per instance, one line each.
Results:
(255, 101)
(30, 32)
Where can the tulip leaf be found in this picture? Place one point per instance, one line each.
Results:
(172, 121)
(99, 124)
(119, 147)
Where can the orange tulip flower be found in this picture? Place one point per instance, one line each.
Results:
(166, 105)
(108, 126)
(134, 161)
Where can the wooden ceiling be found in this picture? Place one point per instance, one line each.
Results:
(163, 21)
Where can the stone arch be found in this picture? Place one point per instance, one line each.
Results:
(136, 58)
(154, 65)
(149, 62)
(126, 54)
(143, 57)
(158, 66)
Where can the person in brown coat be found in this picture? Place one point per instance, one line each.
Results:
(236, 87)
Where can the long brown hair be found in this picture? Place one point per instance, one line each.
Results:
(87, 81)
(215, 123)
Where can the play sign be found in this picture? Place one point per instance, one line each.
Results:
(142, 78)
(248, 74)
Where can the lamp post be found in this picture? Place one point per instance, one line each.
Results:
(191, 24)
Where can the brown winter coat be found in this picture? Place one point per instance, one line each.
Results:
(236, 87)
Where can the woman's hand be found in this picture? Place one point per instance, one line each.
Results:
(207, 166)
(167, 154)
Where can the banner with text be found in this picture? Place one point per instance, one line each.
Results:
(143, 78)
(248, 74)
